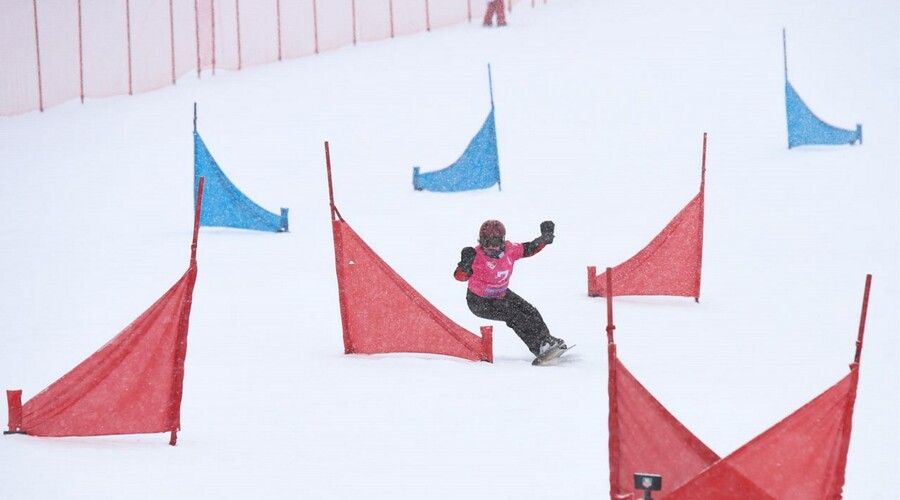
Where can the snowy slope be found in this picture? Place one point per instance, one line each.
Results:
(601, 109)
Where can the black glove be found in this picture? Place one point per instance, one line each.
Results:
(467, 257)
(547, 228)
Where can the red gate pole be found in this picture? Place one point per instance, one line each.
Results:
(212, 23)
(702, 207)
(391, 15)
(197, 212)
(862, 319)
(197, 33)
(335, 215)
(181, 344)
(237, 20)
(171, 37)
(427, 17)
(278, 20)
(315, 27)
(37, 46)
(80, 55)
(128, 35)
(703, 165)
(353, 15)
(609, 307)
(612, 386)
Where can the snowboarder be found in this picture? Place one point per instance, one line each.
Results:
(488, 268)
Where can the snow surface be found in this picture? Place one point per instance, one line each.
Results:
(601, 109)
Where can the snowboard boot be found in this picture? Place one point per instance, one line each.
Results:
(551, 344)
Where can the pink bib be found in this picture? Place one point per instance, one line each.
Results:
(490, 276)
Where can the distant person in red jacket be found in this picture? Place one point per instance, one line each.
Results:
(488, 268)
(495, 6)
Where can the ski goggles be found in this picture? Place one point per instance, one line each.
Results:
(495, 242)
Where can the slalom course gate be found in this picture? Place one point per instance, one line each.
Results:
(226, 205)
(803, 457)
(804, 127)
(670, 264)
(132, 385)
(477, 168)
(382, 313)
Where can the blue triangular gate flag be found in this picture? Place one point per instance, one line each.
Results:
(224, 205)
(477, 168)
(805, 128)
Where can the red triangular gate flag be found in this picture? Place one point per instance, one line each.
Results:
(132, 385)
(803, 457)
(382, 313)
(722, 483)
(670, 264)
(129, 386)
(645, 437)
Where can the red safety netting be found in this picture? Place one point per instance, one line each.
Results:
(131, 385)
(670, 264)
(51, 51)
(803, 457)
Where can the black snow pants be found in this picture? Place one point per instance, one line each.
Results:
(517, 313)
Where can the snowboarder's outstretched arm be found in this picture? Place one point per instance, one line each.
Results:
(464, 267)
(538, 244)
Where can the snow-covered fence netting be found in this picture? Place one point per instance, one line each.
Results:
(53, 51)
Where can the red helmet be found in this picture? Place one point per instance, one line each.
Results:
(491, 229)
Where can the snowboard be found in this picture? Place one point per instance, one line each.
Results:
(551, 356)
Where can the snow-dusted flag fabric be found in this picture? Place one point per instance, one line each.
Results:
(382, 313)
(645, 437)
(803, 457)
(477, 168)
(669, 265)
(132, 385)
(805, 128)
(224, 204)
